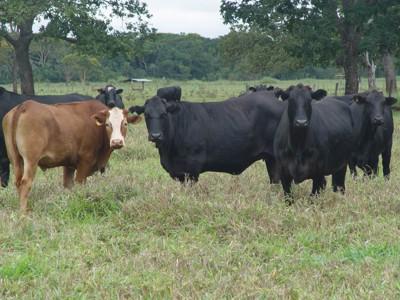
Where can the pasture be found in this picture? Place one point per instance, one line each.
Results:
(135, 233)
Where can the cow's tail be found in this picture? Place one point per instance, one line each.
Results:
(10, 122)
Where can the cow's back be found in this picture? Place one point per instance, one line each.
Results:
(57, 134)
(225, 136)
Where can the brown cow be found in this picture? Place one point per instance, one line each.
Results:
(78, 136)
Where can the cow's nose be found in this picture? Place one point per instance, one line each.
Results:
(155, 136)
(111, 104)
(117, 144)
(301, 123)
(378, 120)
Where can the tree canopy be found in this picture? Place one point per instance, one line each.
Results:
(320, 31)
(87, 23)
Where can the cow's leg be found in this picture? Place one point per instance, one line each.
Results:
(4, 163)
(386, 156)
(319, 183)
(25, 185)
(286, 182)
(69, 177)
(192, 178)
(352, 167)
(373, 165)
(338, 179)
(82, 172)
(187, 178)
(273, 170)
(4, 171)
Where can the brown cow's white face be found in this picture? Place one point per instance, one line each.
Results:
(116, 122)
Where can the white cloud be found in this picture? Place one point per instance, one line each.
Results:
(188, 16)
(177, 16)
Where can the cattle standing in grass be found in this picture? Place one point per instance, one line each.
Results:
(111, 96)
(171, 93)
(8, 100)
(226, 136)
(313, 139)
(77, 136)
(373, 120)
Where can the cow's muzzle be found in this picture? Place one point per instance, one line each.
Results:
(155, 137)
(378, 120)
(117, 144)
(301, 123)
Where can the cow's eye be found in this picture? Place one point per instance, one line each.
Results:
(125, 123)
(108, 125)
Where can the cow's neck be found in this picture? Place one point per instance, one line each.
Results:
(104, 151)
(172, 146)
(367, 133)
(298, 139)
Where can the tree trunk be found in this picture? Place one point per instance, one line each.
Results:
(24, 66)
(14, 74)
(350, 40)
(371, 67)
(21, 49)
(390, 73)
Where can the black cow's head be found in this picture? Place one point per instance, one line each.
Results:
(316, 95)
(111, 96)
(374, 102)
(156, 113)
(299, 105)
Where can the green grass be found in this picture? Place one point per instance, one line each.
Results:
(135, 233)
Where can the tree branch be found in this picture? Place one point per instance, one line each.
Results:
(7, 36)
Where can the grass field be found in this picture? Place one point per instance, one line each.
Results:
(135, 233)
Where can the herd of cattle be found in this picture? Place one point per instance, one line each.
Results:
(299, 133)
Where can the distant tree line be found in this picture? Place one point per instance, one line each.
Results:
(239, 55)
(283, 39)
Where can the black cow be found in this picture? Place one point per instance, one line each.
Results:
(257, 88)
(260, 87)
(7, 101)
(279, 93)
(111, 96)
(170, 93)
(313, 139)
(373, 120)
(316, 95)
(226, 136)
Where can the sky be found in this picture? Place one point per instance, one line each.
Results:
(177, 16)
(188, 16)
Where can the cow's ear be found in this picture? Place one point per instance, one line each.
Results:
(136, 109)
(100, 117)
(101, 91)
(2, 90)
(360, 99)
(119, 91)
(390, 100)
(270, 88)
(133, 119)
(172, 107)
(284, 95)
(319, 94)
